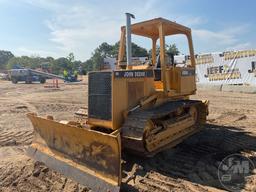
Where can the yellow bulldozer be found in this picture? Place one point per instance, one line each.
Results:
(143, 109)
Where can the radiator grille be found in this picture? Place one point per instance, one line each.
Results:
(100, 100)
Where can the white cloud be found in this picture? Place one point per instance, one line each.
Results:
(240, 46)
(34, 52)
(219, 37)
(191, 21)
(209, 40)
(80, 26)
(45, 4)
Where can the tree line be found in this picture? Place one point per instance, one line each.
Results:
(56, 66)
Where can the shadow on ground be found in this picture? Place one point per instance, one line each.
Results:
(196, 160)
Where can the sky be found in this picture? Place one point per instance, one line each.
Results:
(57, 27)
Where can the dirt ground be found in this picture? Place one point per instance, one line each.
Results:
(190, 166)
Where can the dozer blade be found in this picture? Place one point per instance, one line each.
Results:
(89, 157)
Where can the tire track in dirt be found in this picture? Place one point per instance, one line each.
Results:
(34, 176)
(14, 138)
(195, 160)
(191, 166)
(56, 107)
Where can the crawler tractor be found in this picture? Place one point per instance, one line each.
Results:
(143, 109)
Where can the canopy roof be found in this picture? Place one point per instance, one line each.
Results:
(150, 28)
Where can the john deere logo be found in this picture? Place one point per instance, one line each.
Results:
(233, 171)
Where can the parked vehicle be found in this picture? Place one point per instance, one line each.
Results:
(30, 75)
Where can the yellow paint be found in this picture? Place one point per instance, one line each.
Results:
(61, 141)
(77, 146)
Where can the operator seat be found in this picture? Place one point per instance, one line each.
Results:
(157, 69)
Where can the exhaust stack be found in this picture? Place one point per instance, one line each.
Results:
(128, 39)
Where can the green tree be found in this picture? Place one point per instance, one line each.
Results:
(5, 56)
(12, 62)
(172, 50)
(97, 60)
(35, 62)
(115, 50)
(55, 66)
(49, 59)
(25, 61)
(58, 65)
(157, 51)
(138, 51)
(76, 65)
(105, 50)
(87, 65)
(70, 59)
(169, 50)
